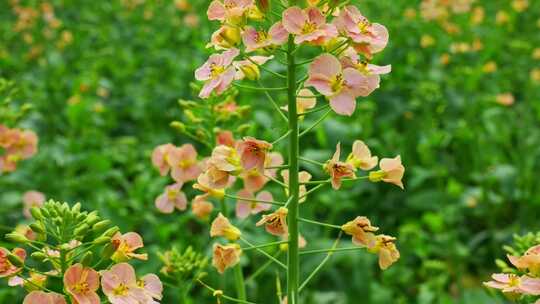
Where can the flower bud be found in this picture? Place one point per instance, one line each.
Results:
(107, 251)
(180, 127)
(187, 103)
(39, 256)
(376, 176)
(16, 237)
(37, 227)
(102, 240)
(251, 71)
(92, 218)
(111, 231)
(76, 208)
(81, 230)
(100, 225)
(191, 116)
(36, 213)
(87, 258)
(15, 260)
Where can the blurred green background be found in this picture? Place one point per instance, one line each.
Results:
(104, 78)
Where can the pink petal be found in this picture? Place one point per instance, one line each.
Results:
(294, 19)
(216, 11)
(278, 34)
(343, 103)
(163, 204)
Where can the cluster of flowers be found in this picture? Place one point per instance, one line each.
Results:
(340, 77)
(524, 280)
(17, 145)
(64, 240)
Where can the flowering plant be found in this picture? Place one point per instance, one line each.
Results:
(68, 255)
(256, 37)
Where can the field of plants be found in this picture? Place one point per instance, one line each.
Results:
(177, 151)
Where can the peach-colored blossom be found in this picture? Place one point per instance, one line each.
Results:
(40, 297)
(32, 199)
(506, 99)
(249, 68)
(82, 283)
(247, 206)
(205, 184)
(530, 260)
(152, 286)
(125, 246)
(160, 158)
(360, 156)
(369, 38)
(253, 153)
(120, 286)
(276, 222)
(308, 25)
(221, 226)
(171, 198)
(306, 100)
(201, 207)
(218, 72)
(338, 169)
(361, 230)
(340, 86)
(386, 249)
(225, 256)
(511, 283)
(225, 37)
(230, 11)
(303, 177)
(6, 268)
(254, 40)
(351, 59)
(255, 180)
(391, 171)
(225, 158)
(184, 164)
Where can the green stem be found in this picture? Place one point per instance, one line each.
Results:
(264, 245)
(320, 266)
(282, 137)
(274, 103)
(251, 199)
(263, 267)
(239, 280)
(319, 223)
(321, 108)
(259, 88)
(330, 250)
(316, 123)
(293, 259)
(266, 254)
(224, 296)
(311, 161)
(264, 68)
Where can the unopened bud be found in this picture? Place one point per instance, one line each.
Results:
(76, 208)
(178, 126)
(87, 258)
(102, 240)
(111, 231)
(15, 260)
(100, 225)
(187, 103)
(81, 230)
(376, 176)
(251, 71)
(37, 227)
(39, 256)
(16, 237)
(191, 116)
(36, 213)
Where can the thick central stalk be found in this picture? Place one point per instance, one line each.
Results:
(293, 262)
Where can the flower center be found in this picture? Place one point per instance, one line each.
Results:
(172, 194)
(513, 280)
(364, 25)
(261, 37)
(81, 287)
(309, 27)
(337, 83)
(216, 70)
(121, 290)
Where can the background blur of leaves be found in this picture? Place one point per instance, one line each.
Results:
(104, 78)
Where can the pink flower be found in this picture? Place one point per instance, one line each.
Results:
(340, 86)
(386, 249)
(246, 206)
(218, 72)
(40, 297)
(249, 68)
(360, 156)
(338, 169)
(254, 40)
(205, 184)
(221, 226)
(152, 286)
(276, 222)
(370, 71)
(255, 180)
(511, 283)
(125, 246)
(201, 207)
(530, 260)
(6, 268)
(23, 144)
(253, 153)
(230, 11)
(225, 256)
(225, 138)
(369, 38)
(226, 159)
(225, 37)
(120, 286)
(32, 199)
(160, 158)
(184, 165)
(82, 283)
(307, 25)
(171, 198)
(303, 177)
(391, 172)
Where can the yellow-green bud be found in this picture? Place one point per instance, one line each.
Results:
(87, 258)
(37, 227)
(36, 213)
(376, 176)
(16, 237)
(111, 231)
(102, 240)
(101, 225)
(180, 127)
(39, 256)
(76, 208)
(81, 230)
(187, 103)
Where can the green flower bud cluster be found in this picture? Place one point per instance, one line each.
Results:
(186, 265)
